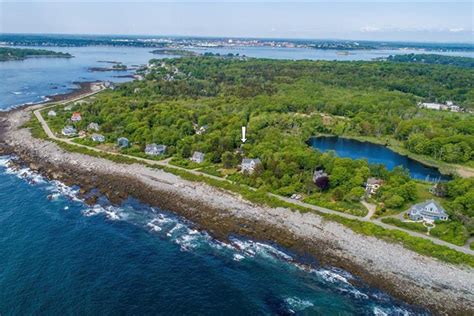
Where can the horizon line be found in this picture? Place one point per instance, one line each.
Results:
(240, 37)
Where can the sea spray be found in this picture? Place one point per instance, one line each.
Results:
(267, 277)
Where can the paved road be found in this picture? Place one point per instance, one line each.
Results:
(165, 163)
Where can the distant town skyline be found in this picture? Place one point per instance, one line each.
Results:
(424, 21)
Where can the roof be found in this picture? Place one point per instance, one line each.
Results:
(430, 207)
(198, 154)
(247, 161)
(374, 181)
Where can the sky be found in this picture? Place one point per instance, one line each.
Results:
(427, 21)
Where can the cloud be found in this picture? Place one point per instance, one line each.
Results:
(456, 29)
(370, 29)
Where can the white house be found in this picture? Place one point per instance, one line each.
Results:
(76, 117)
(372, 186)
(248, 165)
(69, 131)
(427, 211)
(198, 157)
(52, 113)
(98, 138)
(93, 127)
(155, 150)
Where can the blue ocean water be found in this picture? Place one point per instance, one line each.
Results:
(376, 154)
(31, 80)
(60, 256)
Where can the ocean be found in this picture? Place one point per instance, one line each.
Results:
(61, 256)
(31, 80)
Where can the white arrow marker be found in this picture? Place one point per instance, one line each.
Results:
(243, 134)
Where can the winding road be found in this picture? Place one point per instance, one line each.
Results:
(165, 163)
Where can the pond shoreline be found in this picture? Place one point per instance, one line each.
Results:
(442, 170)
(387, 266)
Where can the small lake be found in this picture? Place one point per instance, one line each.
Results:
(375, 154)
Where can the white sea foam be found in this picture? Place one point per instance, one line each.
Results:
(253, 248)
(297, 304)
(238, 257)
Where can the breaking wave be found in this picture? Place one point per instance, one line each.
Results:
(238, 251)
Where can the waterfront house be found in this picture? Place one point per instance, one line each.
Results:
(76, 117)
(122, 142)
(372, 186)
(197, 157)
(52, 113)
(98, 138)
(428, 211)
(319, 174)
(249, 164)
(68, 131)
(93, 127)
(155, 150)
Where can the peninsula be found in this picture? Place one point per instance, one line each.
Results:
(178, 133)
(7, 53)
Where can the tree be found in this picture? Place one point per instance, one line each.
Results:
(228, 159)
(322, 183)
(395, 201)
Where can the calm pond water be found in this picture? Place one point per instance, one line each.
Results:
(375, 154)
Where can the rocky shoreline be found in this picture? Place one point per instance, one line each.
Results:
(442, 288)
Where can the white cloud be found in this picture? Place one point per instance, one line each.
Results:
(456, 29)
(370, 29)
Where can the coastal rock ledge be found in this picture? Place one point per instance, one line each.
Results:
(442, 288)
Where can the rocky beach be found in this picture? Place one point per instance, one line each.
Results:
(419, 280)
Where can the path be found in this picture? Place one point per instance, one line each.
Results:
(165, 163)
(371, 207)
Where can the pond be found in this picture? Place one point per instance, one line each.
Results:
(376, 154)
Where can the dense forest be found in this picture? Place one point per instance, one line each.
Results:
(7, 53)
(433, 59)
(283, 104)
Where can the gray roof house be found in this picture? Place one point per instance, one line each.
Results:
(122, 142)
(155, 150)
(98, 138)
(198, 157)
(248, 165)
(93, 127)
(428, 211)
(69, 131)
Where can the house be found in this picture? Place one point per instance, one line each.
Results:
(319, 174)
(122, 142)
(198, 157)
(372, 185)
(449, 106)
(155, 150)
(248, 165)
(201, 130)
(427, 211)
(68, 131)
(51, 113)
(82, 134)
(98, 138)
(76, 117)
(93, 127)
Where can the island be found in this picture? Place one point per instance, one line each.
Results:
(7, 53)
(174, 52)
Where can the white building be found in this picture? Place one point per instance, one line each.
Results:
(98, 138)
(428, 211)
(52, 113)
(248, 165)
(69, 131)
(198, 157)
(155, 150)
